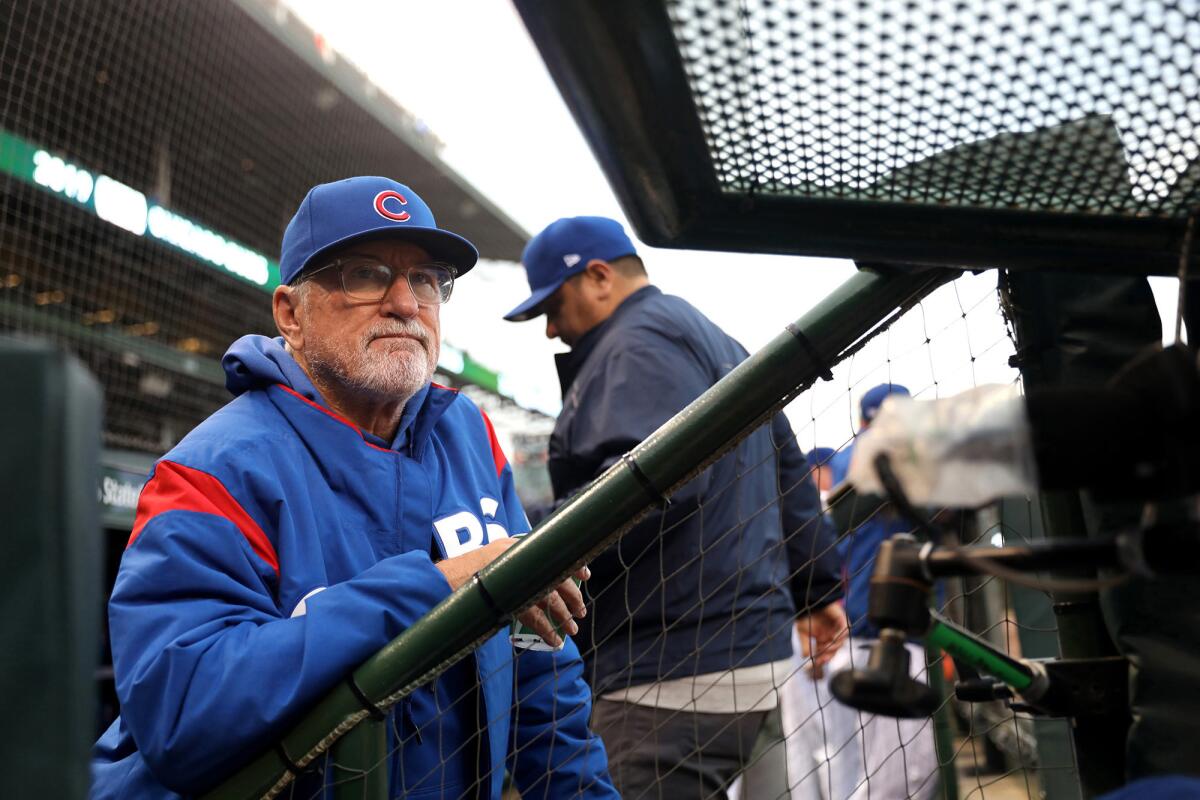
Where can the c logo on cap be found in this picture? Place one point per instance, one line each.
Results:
(381, 209)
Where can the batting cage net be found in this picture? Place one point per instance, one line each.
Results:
(150, 156)
(955, 339)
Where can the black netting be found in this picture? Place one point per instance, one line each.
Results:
(817, 747)
(1065, 106)
(952, 341)
(131, 135)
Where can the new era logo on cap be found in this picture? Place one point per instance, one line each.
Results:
(571, 259)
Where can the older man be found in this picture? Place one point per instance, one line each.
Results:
(693, 614)
(337, 499)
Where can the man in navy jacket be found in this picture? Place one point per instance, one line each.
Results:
(690, 632)
(337, 499)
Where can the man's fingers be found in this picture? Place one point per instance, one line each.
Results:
(828, 645)
(803, 634)
(557, 611)
(537, 621)
(820, 657)
(573, 597)
(821, 636)
(559, 607)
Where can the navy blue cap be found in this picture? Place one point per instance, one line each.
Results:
(366, 208)
(873, 399)
(564, 249)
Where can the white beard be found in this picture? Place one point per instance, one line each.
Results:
(393, 370)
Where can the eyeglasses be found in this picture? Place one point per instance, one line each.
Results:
(369, 281)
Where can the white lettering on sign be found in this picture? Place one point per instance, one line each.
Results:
(462, 532)
(62, 177)
(203, 243)
(128, 208)
(119, 494)
(121, 205)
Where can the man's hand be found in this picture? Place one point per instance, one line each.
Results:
(562, 605)
(821, 634)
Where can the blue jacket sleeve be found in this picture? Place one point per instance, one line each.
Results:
(816, 568)
(554, 754)
(209, 671)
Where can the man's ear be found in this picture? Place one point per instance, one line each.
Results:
(288, 311)
(600, 274)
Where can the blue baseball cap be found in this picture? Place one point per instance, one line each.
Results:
(819, 456)
(563, 250)
(366, 208)
(873, 399)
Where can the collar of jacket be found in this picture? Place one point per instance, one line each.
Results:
(570, 363)
(315, 422)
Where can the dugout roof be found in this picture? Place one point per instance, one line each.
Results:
(245, 104)
(1025, 133)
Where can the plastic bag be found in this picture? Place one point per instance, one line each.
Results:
(960, 451)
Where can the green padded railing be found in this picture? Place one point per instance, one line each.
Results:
(592, 520)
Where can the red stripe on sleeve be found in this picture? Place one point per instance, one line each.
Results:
(497, 452)
(175, 487)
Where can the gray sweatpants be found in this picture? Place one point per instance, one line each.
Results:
(663, 754)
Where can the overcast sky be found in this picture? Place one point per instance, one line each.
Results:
(469, 69)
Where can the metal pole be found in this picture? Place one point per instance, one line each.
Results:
(593, 519)
(943, 726)
(1057, 773)
(1031, 557)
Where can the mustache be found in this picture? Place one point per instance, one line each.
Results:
(410, 327)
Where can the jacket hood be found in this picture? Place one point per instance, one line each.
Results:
(256, 362)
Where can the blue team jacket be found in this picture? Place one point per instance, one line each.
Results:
(276, 548)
